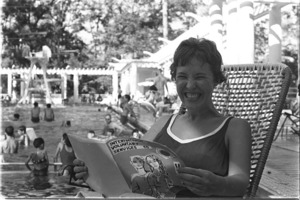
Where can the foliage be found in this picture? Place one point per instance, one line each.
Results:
(124, 29)
(22, 19)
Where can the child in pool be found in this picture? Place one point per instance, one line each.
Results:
(23, 137)
(92, 135)
(39, 158)
(109, 135)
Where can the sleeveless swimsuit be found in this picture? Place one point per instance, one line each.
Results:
(67, 159)
(206, 152)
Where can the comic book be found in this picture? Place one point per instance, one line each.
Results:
(129, 165)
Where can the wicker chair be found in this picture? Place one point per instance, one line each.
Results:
(255, 92)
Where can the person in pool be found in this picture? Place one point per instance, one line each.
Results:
(39, 158)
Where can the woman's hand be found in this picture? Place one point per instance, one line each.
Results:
(201, 182)
(81, 171)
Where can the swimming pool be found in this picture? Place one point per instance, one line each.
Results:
(16, 180)
(22, 184)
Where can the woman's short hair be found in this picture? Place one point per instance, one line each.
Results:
(203, 50)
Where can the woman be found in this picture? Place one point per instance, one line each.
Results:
(67, 156)
(216, 149)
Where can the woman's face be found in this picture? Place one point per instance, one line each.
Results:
(137, 163)
(195, 84)
(153, 162)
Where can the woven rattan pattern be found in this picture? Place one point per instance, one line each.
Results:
(255, 92)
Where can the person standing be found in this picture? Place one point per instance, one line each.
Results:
(48, 113)
(39, 158)
(35, 113)
(160, 82)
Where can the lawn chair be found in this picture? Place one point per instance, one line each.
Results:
(255, 92)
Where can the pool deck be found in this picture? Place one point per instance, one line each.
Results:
(280, 178)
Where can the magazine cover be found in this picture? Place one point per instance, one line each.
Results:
(149, 168)
(104, 175)
(129, 165)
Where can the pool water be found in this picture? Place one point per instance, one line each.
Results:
(25, 185)
(16, 181)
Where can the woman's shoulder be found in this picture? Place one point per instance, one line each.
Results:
(156, 127)
(238, 126)
(238, 121)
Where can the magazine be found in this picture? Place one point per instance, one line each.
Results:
(128, 165)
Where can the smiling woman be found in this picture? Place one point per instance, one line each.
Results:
(215, 148)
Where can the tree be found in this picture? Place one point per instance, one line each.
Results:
(118, 28)
(124, 29)
(23, 20)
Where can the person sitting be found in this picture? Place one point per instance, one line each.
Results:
(23, 137)
(9, 144)
(67, 156)
(109, 124)
(48, 113)
(39, 158)
(35, 113)
(110, 134)
(215, 148)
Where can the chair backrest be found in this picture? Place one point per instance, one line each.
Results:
(255, 92)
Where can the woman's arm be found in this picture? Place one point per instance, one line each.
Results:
(239, 146)
(58, 149)
(27, 162)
